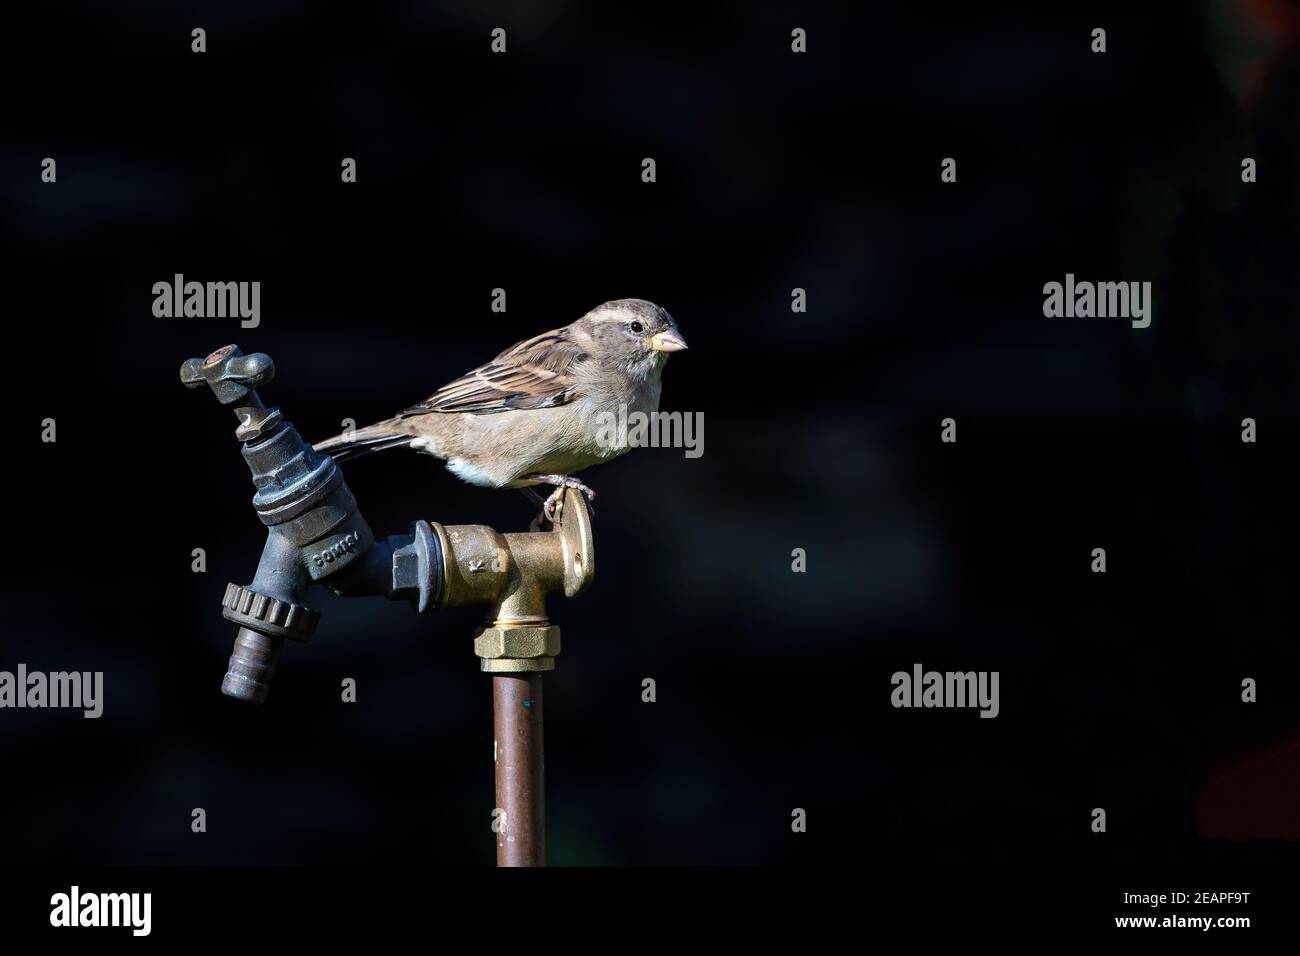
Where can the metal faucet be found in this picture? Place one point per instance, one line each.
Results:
(316, 535)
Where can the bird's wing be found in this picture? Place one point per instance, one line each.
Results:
(536, 373)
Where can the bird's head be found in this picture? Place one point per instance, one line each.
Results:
(634, 334)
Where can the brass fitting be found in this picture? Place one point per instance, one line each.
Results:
(513, 574)
(516, 649)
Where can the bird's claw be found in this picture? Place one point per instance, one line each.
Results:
(554, 504)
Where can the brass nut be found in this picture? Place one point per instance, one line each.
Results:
(517, 643)
(506, 665)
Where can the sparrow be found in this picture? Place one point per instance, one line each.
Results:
(539, 411)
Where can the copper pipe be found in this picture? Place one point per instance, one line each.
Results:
(520, 769)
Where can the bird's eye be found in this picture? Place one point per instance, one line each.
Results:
(637, 327)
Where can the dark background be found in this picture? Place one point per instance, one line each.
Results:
(822, 430)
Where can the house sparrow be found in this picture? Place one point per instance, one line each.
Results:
(533, 414)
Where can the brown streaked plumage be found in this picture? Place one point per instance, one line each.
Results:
(532, 414)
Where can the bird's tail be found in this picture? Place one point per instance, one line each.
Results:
(362, 441)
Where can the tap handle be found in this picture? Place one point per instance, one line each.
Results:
(230, 374)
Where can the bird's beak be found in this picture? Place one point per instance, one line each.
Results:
(669, 340)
